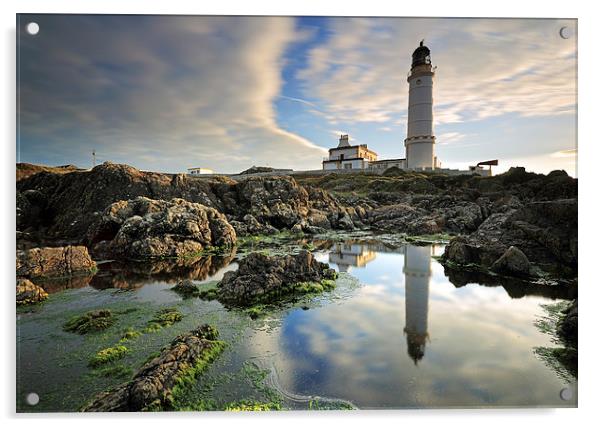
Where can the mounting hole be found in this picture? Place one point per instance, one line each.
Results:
(32, 28)
(32, 399)
(566, 393)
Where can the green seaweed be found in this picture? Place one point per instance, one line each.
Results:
(92, 321)
(165, 317)
(252, 405)
(107, 355)
(129, 334)
(114, 371)
(188, 373)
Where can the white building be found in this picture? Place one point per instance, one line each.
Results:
(346, 156)
(200, 171)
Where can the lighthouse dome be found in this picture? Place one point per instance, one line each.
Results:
(421, 56)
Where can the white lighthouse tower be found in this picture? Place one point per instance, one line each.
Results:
(420, 143)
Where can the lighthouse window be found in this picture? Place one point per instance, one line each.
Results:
(418, 81)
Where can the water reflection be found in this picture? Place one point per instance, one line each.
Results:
(350, 254)
(465, 346)
(417, 271)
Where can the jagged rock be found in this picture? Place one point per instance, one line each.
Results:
(403, 218)
(261, 278)
(28, 293)
(544, 231)
(513, 262)
(48, 262)
(249, 226)
(145, 228)
(152, 386)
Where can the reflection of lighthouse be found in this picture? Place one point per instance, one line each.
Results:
(417, 270)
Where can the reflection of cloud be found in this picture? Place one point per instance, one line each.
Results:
(162, 92)
(480, 351)
(486, 68)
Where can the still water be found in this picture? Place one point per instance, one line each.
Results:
(396, 333)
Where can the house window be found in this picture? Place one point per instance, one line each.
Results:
(342, 156)
(348, 166)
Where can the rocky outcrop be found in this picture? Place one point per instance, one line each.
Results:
(28, 293)
(513, 262)
(261, 278)
(154, 385)
(542, 233)
(143, 228)
(72, 202)
(54, 262)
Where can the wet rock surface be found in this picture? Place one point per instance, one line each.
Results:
(29, 293)
(261, 278)
(144, 228)
(542, 232)
(54, 262)
(153, 386)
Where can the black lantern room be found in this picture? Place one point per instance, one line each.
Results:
(421, 56)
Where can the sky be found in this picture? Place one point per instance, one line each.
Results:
(167, 93)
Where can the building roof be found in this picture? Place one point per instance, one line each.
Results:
(364, 146)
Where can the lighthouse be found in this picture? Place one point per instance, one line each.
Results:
(420, 141)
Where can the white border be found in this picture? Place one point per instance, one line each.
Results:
(589, 155)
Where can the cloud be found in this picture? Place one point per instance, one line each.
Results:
(565, 153)
(161, 93)
(486, 68)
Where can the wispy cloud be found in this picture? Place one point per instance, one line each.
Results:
(160, 93)
(485, 68)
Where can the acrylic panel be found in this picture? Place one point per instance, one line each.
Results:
(230, 213)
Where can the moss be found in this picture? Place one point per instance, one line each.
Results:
(92, 321)
(251, 405)
(107, 355)
(164, 318)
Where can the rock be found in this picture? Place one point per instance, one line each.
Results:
(144, 228)
(513, 262)
(403, 218)
(186, 288)
(261, 278)
(28, 293)
(153, 385)
(545, 232)
(57, 262)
